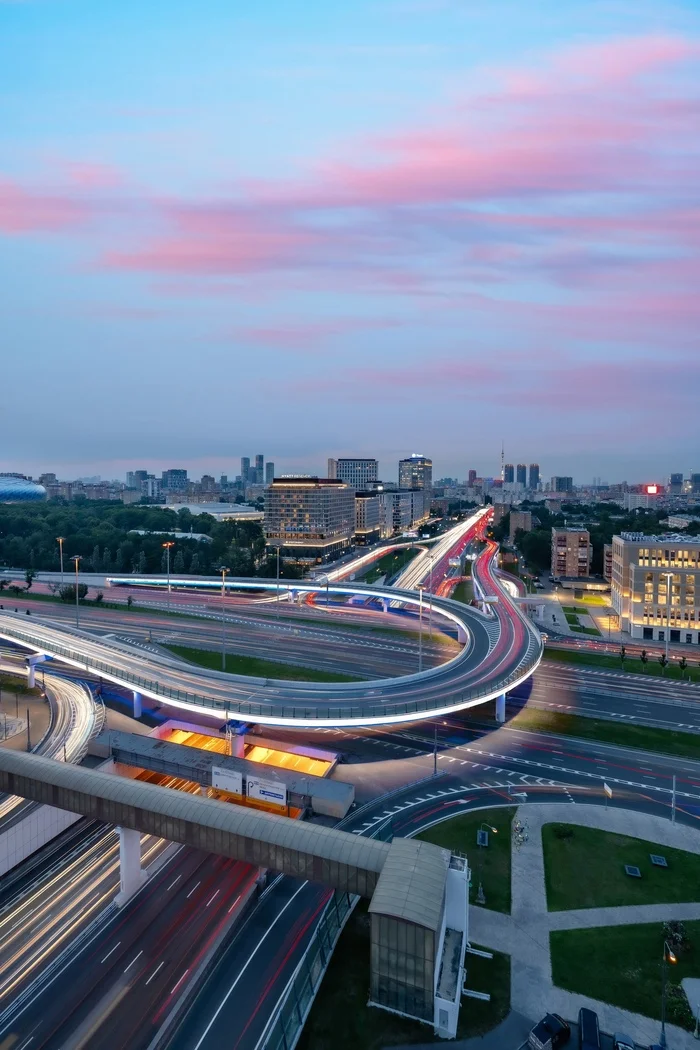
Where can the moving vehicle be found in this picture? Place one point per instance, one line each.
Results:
(588, 1029)
(549, 1033)
(623, 1042)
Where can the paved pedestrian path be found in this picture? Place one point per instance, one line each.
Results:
(524, 934)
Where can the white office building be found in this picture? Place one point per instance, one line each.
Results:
(656, 586)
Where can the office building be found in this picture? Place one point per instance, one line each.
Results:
(416, 472)
(259, 470)
(534, 477)
(521, 474)
(135, 478)
(508, 474)
(607, 561)
(312, 519)
(571, 552)
(358, 474)
(174, 481)
(245, 469)
(368, 518)
(471, 478)
(559, 484)
(332, 471)
(269, 472)
(675, 485)
(695, 484)
(520, 519)
(656, 586)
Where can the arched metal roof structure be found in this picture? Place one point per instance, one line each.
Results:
(15, 488)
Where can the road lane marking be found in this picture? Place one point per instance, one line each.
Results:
(158, 967)
(193, 889)
(174, 881)
(134, 960)
(234, 903)
(174, 989)
(110, 952)
(213, 897)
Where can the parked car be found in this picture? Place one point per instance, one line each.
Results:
(588, 1029)
(549, 1033)
(623, 1042)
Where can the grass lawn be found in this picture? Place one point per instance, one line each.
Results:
(390, 564)
(257, 668)
(632, 665)
(593, 599)
(491, 864)
(585, 630)
(463, 592)
(10, 683)
(622, 965)
(575, 610)
(666, 741)
(584, 868)
(340, 1018)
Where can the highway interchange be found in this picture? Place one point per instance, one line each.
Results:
(131, 965)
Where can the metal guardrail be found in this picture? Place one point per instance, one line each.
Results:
(248, 710)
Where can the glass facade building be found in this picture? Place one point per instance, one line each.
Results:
(309, 518)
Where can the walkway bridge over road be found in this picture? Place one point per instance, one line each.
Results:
(417, 889)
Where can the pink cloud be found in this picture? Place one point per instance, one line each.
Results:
(29, 211)
(311, 335)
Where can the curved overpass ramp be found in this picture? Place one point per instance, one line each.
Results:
(500, 651)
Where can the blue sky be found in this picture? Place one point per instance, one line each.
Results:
(315, 229)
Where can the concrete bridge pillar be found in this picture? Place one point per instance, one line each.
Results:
(461, 635)
(501, 708)
(32, 661)
(131, 874)
(385, 605)
(138, 704)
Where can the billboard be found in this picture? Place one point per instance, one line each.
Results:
(267, 790)
(227, 780)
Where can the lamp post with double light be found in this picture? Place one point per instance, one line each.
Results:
(76, 560)
(166, 547)
(59, 541)
(669, 588)
(224, 571)
(420, 627)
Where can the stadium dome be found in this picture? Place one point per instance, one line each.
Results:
(15, 488)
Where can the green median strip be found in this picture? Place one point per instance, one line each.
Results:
(258, 668)
(631, 665)
(665, 741)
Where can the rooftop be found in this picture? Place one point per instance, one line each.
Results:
(412, 883)
(668, 537)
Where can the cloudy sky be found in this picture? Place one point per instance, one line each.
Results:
(378, 227)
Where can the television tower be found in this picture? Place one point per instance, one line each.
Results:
(503, 457)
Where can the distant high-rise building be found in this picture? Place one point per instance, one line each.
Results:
(135, 478)
(356, 473)
(508, 474)
(173, 480)
(695, 484)
(245, 468)
(521, 474)
(416, 472)
(259, 469)
(675, 485)
(471, 477)
(332, 470)
(269, 472)
(561, 484)
(534, 478)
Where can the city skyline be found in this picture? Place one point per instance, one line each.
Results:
(497, 228)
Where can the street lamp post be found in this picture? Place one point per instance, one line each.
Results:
(224, 571)
(167, 547)
(669, 581)
(668, 957)
(481, 896)
(277, 603)
(420, 627)
(59, 540)
(430, 598)
(76, 559)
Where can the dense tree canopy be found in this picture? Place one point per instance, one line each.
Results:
(102, 534)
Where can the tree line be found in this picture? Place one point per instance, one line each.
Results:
(101, 533)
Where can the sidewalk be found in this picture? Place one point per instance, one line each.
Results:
(524, 934)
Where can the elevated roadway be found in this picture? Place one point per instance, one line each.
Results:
(500, 650)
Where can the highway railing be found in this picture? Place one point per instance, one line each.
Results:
(359, 708)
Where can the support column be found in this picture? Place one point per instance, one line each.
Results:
(501, 708)
(32, 661)
(131, 874)
(138, 702)
(462, 636)
(385, 605)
